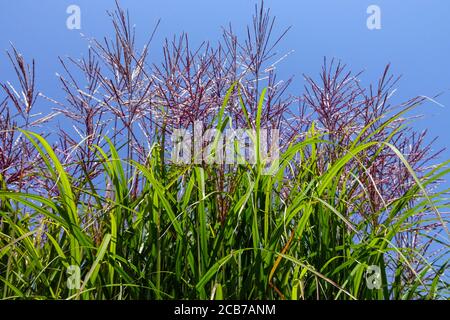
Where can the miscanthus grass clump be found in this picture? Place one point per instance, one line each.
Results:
(96, 208)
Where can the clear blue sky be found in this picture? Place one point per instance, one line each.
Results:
(414, 38)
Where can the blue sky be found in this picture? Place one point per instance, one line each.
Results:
(413, 37)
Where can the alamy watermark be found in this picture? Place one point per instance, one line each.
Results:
(73, 21)
(230, 146)
(374, 20)
(73, 277)
(373, 277)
